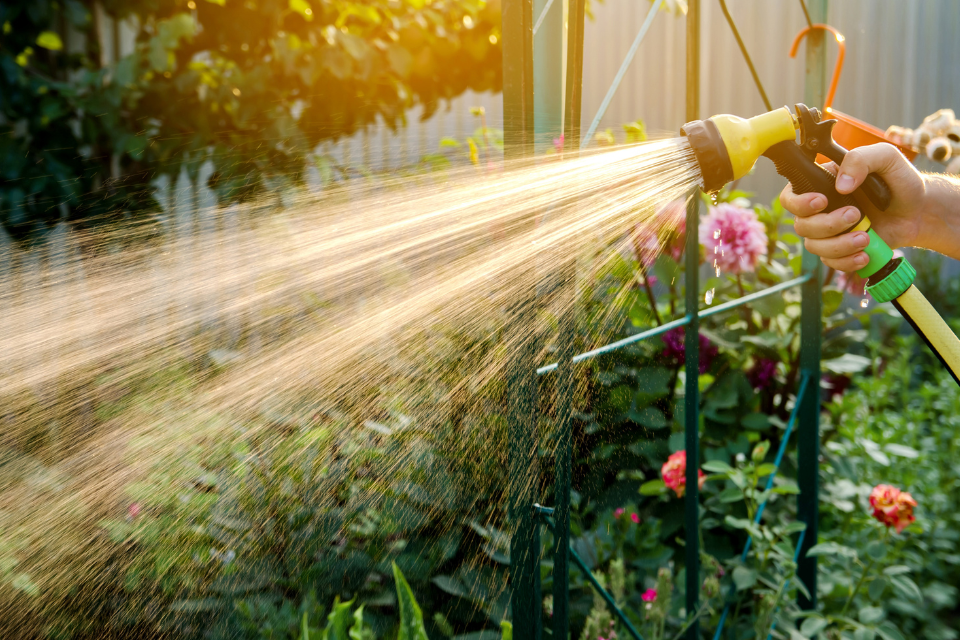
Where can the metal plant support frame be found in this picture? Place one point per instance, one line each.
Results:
(532, 66)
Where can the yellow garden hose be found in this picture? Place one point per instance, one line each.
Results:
(918, 311)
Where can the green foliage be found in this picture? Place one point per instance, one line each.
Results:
(253, 87)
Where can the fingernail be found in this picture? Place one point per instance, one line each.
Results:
(861, 259)
(818, 203)
(851, 216)
(863, 240)
(844, 182)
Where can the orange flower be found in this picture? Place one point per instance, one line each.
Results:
(892, 507)
(674, 472)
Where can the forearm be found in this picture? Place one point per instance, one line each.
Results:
(940, 226)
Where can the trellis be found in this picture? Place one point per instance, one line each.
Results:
(539, 103)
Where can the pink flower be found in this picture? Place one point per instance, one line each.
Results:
(133, 510)
(635, 518)
(646, 244)
(892, 507)
(674, 217)
(674, 472)
(735, 240)
(852, 283)
(674, 348)
(617, 513)
(650, 595)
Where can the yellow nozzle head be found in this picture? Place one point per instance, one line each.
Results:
(727, 146)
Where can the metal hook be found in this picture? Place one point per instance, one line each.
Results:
(837, 68)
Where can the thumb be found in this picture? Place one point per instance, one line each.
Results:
(883, 159)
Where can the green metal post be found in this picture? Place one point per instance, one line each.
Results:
(547, 72)
(565, 384)
(692, 341)
(808, 436)
(518, 124)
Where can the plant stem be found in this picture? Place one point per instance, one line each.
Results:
(649, 289)
(689, 622)
(863, 577)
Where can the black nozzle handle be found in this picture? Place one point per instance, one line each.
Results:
(816, 136)
(873, 185)
(806, 176)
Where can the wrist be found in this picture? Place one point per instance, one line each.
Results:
(939, 215)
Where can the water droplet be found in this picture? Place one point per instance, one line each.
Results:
(716, 249)
(716, 234)
(864, 302)
(718, 272)
(709, 296)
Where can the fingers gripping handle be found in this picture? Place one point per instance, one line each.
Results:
(806, 176)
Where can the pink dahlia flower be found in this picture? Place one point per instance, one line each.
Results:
(735, 240)
(650, 595)
(635, 518)
(618, 512)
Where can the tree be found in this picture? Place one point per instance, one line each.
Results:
(253, 85)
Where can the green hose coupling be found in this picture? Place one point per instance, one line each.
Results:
(879, 252)
(895, 278)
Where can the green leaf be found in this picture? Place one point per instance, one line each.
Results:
(876, 549)
(649, 417)
(766, 469)
(755, 421)
(906, 587)
(889, 631)
(847, 363)
(738, 523)
(876, 588)
(653, 488)
(831, 549)
(896, 570)
(870, 615)
(733, 494)
(813, 625)
(506, 630)
(304, 628)
(359, 629)
(902, 450)
(831, 301)
(788, 488)
(744, 578)
(864, 633)
(794, 527)
(450, 585)
(338, 621)
(717, 466)
(50, 40)
(411, 617)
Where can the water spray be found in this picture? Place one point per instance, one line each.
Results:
(726, 148)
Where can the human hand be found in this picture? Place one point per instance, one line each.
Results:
(899, 225)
